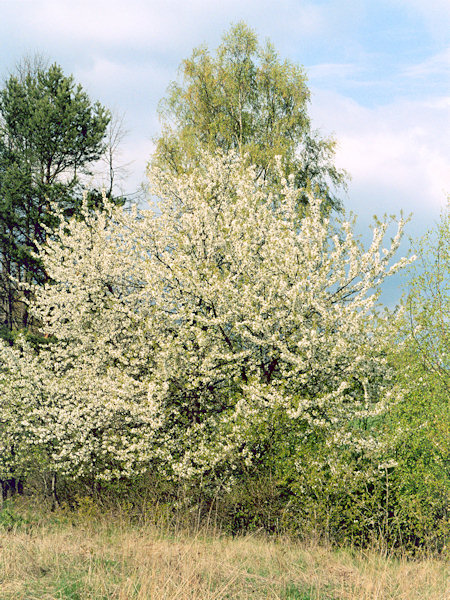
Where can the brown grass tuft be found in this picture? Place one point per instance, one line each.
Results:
(76, 559)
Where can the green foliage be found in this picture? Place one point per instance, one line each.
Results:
(419, 426)
(246, 99)
(50, 132)
(292, 592)
(12, 520)
(428, 303)
(34, 338)
(50, 121)
(400, 493)
(391, 483)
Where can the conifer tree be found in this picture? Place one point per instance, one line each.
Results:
(50, 133)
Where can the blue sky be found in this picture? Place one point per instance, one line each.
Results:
(379, 72)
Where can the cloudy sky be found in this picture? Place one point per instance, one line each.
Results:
(379, 72)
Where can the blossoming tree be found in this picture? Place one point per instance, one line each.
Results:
(183, 335)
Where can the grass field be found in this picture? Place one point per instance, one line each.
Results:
(80, 556)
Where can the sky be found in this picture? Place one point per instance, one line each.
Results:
(378, 71)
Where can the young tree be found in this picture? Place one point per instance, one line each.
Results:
(186, 335)
(50, 132)
(78, 407)
(246, 99)
(419, 426)
(428, 301)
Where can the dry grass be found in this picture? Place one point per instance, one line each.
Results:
(91, 559)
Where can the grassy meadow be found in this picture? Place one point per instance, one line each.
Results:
(87, 555)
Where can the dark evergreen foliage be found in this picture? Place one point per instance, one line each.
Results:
(50, 133)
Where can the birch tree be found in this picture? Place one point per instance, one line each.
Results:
(245, 98)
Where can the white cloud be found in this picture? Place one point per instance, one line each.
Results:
(309, 18)
(158, 24)
(438, 64)
(131, 49)
(435, 13)
(104, 21)
(327, 71)
(133, 79)
(401, 148)
(153, 24)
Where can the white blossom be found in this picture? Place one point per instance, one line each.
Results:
(180, 331)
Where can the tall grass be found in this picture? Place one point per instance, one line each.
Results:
(83, 555)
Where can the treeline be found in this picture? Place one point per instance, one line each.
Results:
(225, 348)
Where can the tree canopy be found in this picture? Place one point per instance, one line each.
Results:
(183, 335)
(428, 300)
(50, 132)
(230, 334)
(244, 98)
(419, 426)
